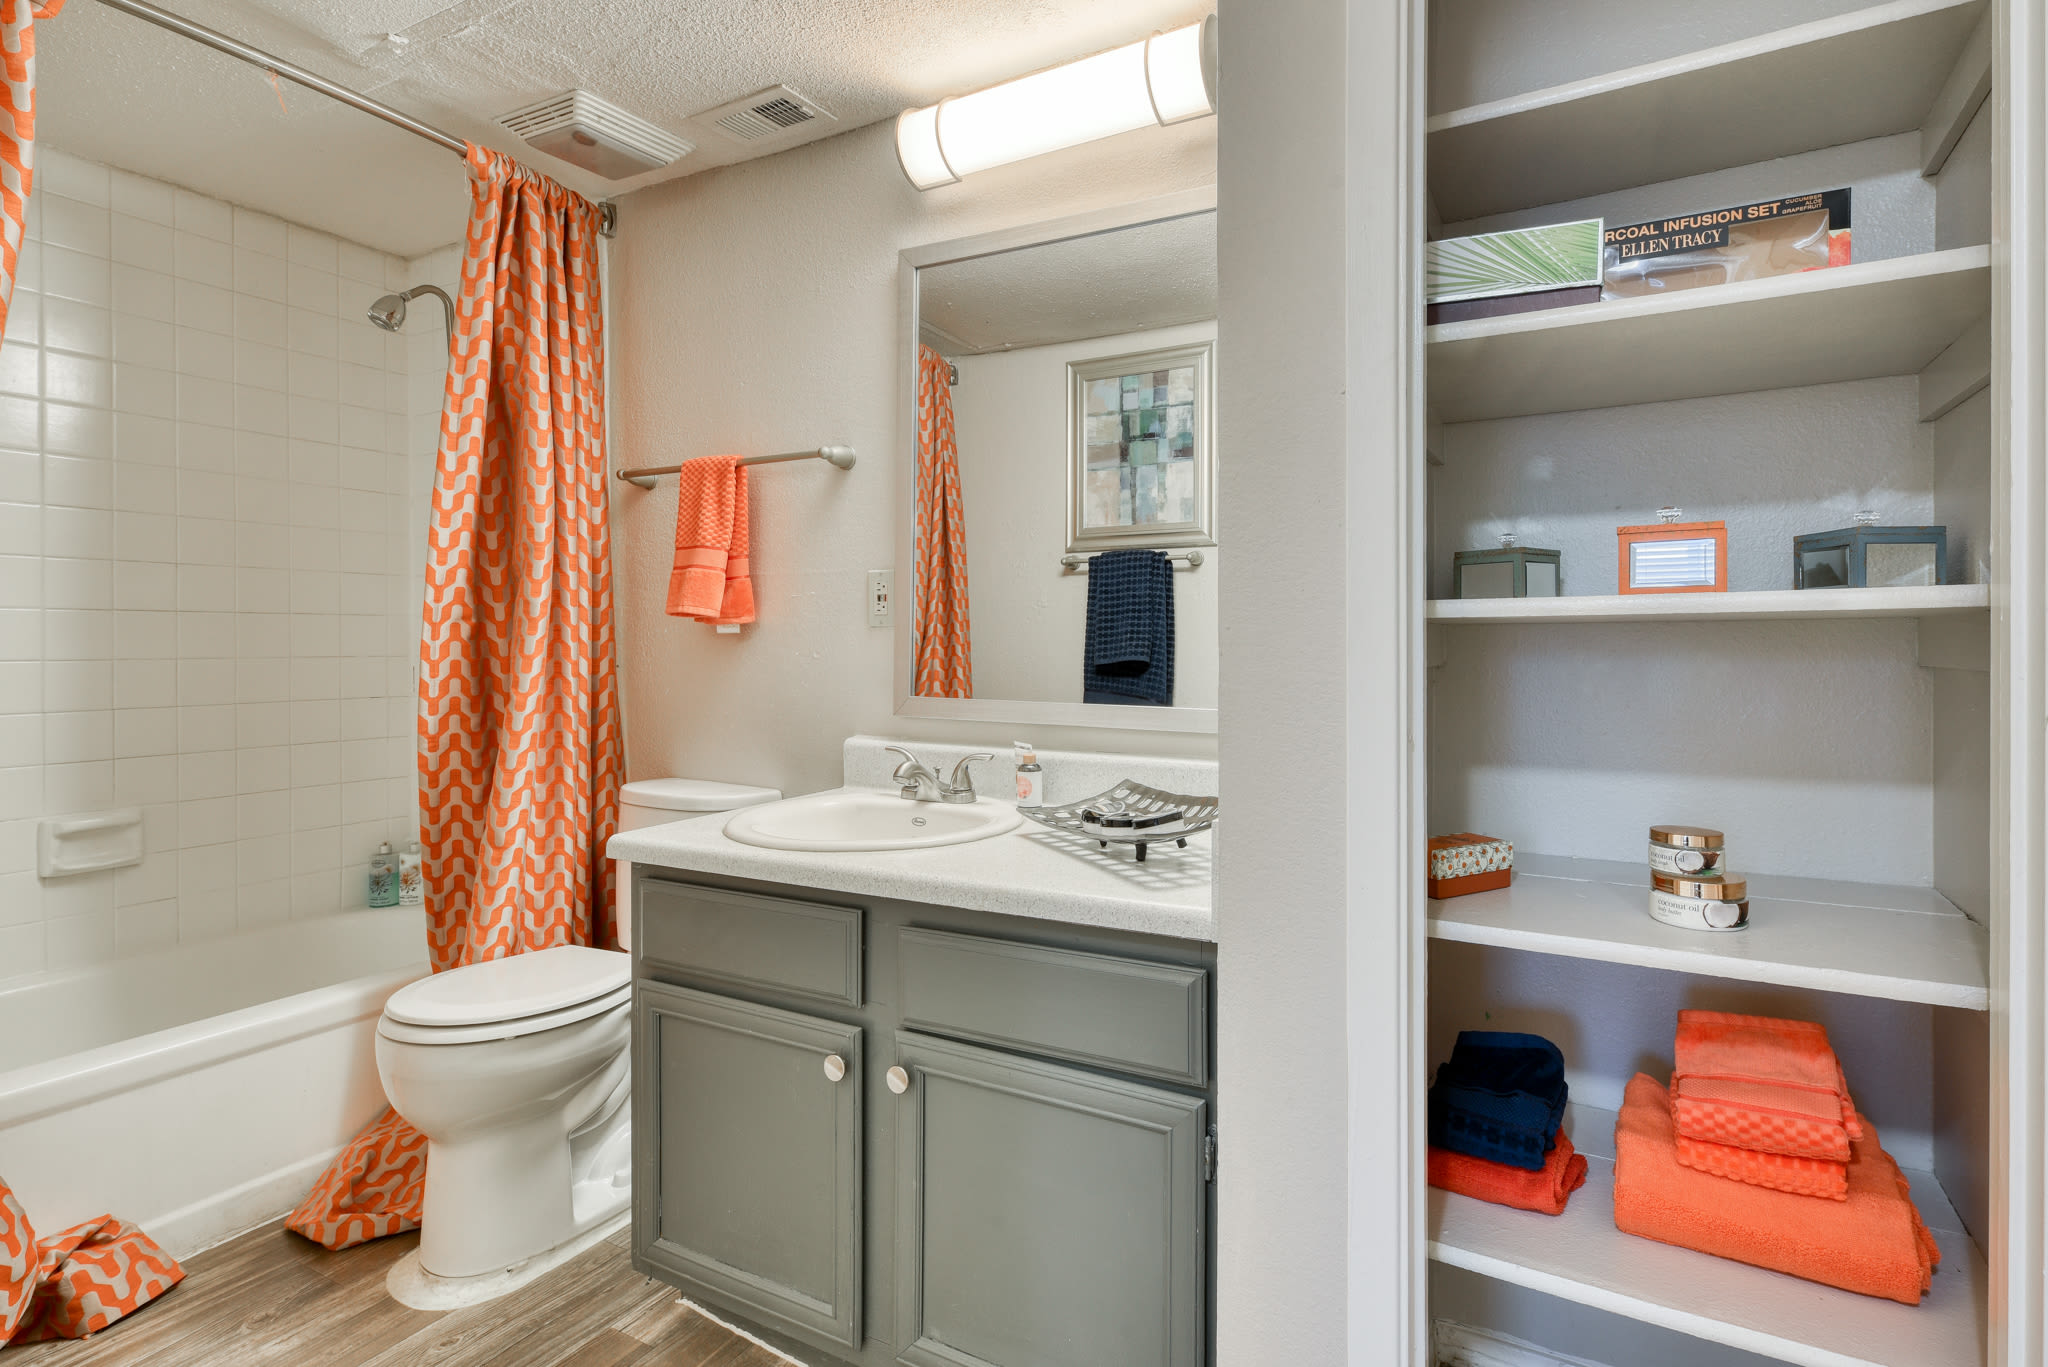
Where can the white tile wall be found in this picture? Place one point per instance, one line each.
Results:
(206, 596)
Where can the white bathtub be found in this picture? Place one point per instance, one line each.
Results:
(199, 1091)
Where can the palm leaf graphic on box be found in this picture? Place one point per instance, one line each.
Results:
(1558, 256)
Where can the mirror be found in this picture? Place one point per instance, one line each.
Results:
(1061, 535)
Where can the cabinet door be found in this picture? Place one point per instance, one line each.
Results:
(1045, 1216)
(747, 1157)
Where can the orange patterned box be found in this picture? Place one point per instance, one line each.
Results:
(1466, 863)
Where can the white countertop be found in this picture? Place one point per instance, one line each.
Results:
(1031, 872)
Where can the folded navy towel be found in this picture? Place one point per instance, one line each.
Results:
(1128, 653)
(1501, 1096)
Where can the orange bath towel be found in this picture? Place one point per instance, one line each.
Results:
(712, 580)
(1544, 1190)
(1872, 1242)
(1759, 1082)
(1775, 1171)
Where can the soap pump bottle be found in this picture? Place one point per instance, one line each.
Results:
(412, 888)
(384, 877)
(1030, 777)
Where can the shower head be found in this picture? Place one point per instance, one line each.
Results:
(389, 312)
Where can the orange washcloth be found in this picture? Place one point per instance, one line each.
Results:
(1776, 1171)
(1544, 1190)
(1758, 1082)
(712, 579)
(1872, 1242)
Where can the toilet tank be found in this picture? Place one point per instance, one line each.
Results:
(658, 801)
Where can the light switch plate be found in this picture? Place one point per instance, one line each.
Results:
(881, 597)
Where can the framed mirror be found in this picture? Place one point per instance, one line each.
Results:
(1058, 536)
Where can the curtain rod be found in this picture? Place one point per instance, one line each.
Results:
(256, 56)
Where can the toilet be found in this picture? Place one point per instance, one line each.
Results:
(518, 1072)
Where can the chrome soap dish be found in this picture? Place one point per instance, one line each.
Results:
(1130, 814)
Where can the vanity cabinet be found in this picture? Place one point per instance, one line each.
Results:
(899, 1133)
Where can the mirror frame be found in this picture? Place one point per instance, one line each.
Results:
(1020, 711)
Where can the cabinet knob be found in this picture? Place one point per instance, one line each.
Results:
(835, 1067)
(899, 1081)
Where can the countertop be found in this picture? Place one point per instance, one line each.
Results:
(1030, 872)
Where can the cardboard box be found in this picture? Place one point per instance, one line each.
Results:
(1747, 242)
(1467, 863)
(1513, 272)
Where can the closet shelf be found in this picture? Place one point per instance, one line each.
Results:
(1580, 1256)
(1771, 605)
(1866, 74)
(1863, 939)
(1853, 322)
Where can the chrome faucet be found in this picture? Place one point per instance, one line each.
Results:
(915, 783)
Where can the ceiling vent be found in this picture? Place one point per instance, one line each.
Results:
(777, 112)
(596, 135)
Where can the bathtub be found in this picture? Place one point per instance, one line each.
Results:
(198, 1091)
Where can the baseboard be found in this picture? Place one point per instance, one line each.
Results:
(217, 1218)
(1467, 1345)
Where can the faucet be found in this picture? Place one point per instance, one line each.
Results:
(915, 783)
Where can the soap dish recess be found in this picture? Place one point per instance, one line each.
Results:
(1148, 812)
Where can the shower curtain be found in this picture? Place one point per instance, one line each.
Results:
(17, 129)
(945, 657)
(520, 753)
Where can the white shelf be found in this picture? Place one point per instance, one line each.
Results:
(1864, 939)
(1580, 1256)
(1853, 322)
(1866, 74)
(1773, 605)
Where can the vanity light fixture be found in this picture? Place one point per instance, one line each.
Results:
(1165, 79)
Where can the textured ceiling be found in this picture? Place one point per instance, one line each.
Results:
(118, 90)
(1153, 275)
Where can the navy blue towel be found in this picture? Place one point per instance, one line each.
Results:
(1128, 657)
(1501, 1097)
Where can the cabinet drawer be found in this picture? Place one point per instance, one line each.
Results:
(739, 938)
(1127, 1014)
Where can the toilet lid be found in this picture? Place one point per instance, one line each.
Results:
(694, 795)
(497, 990)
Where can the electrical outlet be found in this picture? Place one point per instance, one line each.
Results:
(881, 597)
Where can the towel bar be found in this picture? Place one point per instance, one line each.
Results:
(841, 456)
(1080, 562)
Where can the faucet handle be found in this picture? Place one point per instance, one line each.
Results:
(909, 760)
(963, 779)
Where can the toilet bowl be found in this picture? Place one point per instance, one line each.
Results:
(517, 1071)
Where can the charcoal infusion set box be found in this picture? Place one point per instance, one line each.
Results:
(1747, 242)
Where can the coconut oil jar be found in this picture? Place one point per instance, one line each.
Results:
(1690, 886)
(1682, 851)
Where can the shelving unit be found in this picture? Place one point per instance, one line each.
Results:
(1852, 746)
(1774, 605)
(1853, 322)
(1580, 1256)
(1865, 939)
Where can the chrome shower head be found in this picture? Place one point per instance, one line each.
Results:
(389, 312)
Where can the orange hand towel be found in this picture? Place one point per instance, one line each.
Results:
(1775, 1171)
(712, 579)
(1544, 1190)
(1759, 1082)
(1872, 1242)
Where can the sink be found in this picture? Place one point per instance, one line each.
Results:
(868, 821)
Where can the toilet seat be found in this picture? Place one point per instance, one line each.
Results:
(506, 998)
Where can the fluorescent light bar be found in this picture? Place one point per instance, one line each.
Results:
(1167, 78)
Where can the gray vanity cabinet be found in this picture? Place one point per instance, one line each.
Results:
(1045, 1216)
(748, 1168)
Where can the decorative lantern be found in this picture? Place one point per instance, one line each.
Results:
(1669, 556)
(1510, 572)
(1869, 556)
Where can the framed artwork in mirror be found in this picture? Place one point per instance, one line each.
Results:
(1140, 463)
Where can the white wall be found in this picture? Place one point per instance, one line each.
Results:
(202, 600)
(754, 308)
(1028, 615)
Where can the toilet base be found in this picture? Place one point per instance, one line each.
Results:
(413, 1286)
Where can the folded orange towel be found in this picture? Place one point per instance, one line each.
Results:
(1777, 1171)
(712, 579)
(1872, 1242)
(1544, 1190)
(1759, 1082)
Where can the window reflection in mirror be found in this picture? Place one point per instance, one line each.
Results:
(1065, 545)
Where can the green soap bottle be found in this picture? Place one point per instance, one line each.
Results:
(384, 877)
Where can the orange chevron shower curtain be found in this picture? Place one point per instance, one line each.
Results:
(17, 129)
(520, 752)
(945, 656)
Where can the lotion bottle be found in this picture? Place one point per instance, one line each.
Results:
(412, 887)
(384, 877)
(1030, 777)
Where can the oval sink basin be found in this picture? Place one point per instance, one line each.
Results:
(868, 821)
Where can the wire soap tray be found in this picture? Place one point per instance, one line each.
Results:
(1130, 814)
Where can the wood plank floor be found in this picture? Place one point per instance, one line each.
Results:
(271, 1299)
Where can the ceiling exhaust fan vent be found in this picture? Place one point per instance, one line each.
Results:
(775, 112)
(596, 135)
